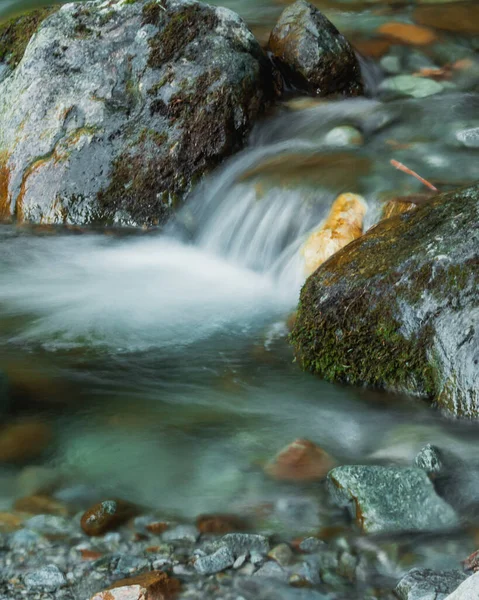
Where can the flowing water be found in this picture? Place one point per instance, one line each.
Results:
(161, 361)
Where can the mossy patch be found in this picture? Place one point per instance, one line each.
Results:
(16, 33)
(177, 29)
(350, 326)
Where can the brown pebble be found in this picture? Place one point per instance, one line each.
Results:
(300, 461)
(158, 585)
(41, 505)
(220, 524)
(23, 441)
(105, 516)
(157, 528)
(90, 554)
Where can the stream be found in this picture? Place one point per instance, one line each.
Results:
(160, 361)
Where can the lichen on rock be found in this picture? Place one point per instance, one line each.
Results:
(398, 308)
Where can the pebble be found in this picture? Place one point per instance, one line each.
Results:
(241, 543)
(302, 460)
(214, 563)
(24, 540)
(282, 554)
(273, 570)
(181, 533)
(51, 525)
(311, 544)
(48, 579)
(106, 515)
(40, 505)
(343, 137)
(240, 561)
(430, 460)
(469, 137)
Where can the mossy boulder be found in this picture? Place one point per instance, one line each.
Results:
(113, 110)
(398, 309)
(312, 54)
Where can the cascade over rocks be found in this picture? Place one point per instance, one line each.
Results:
(312, 55)
(114, 109)
(398, 308)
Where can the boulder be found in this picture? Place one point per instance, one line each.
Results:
(387, 499)
(425, 584)
(397, 309)
(312, 55)
(113, 110)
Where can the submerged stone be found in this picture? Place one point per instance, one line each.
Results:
(105, 516)
(113, 113)
(425, 584)
(312, 54)
(47, 579)
(385, 499)
(398, 308)
(215, 563)
(408, 85)
(300, 461)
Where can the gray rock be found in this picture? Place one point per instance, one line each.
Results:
(128, 565)
(468, 590)
(408, 85)
(23, 539)
(430, 460)
(282, 554)
(425, 584)
(469, 137)
(312, 54)
(48, 579)
(181, 533)
(272, 570)
(311, 544)
(51, 525)
(391, 64)
(115, 110)
(344, 136)
(242, 543)
(390, 498)
(398, 308)
(214, 563)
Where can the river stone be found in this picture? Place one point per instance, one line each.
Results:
(311, 53)
(241, 543)
(398, 308)
(408, 85)
(468, 590)
(425, 584)
(430, 460)
(48, 579)
(385, 499)
(117, 108)
(214, 563)
(469, 137)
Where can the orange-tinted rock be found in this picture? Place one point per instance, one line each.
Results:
(105, 516)
(23, 441)
(157, 528)
(220, 524)
(409, 34)
(372, 48)
(41, 505)
(459, 18)
(300, 461)
(133, 592)
(90, 554)
(393, 208)
(157, 585)
(472, 562)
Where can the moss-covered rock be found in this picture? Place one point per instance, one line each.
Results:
(398, 309)
(118, 108)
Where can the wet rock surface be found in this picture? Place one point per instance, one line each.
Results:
(422, 584)
(115, 110)
(397, 309)
(312, 54)
(385, 499)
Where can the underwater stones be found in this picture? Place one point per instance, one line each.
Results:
(47, 579)
(397, 309)
(23, 440)
(409, 85)
(469, 137)
(430, 459)
(344, 136)
(343, 225)
(311, 53)
(386, 499)
(105, 516)
(425, 584)
(302, 460)
(117, 127)
(244, 543)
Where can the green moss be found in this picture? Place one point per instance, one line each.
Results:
(16, 33)
(349, 327)
(177, 29)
